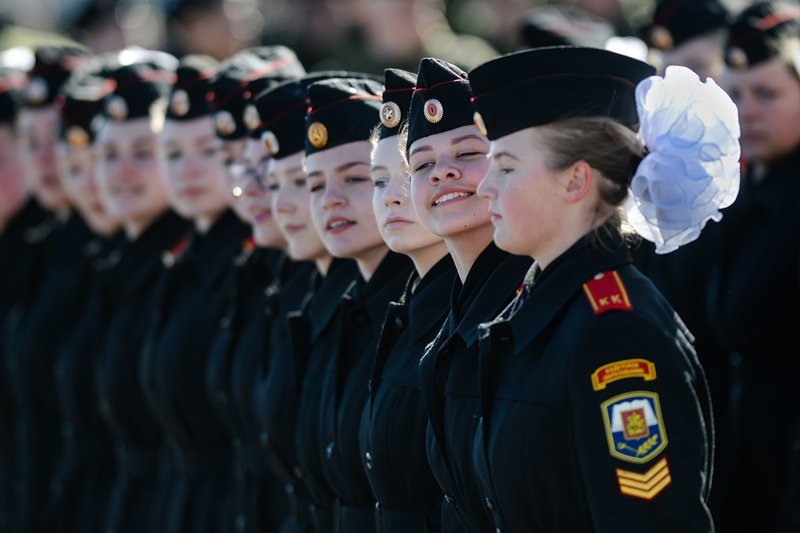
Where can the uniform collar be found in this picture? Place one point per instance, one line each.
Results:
(384, 285)
(142, 256)
(426, 304)
(328, 294)
(211, 254)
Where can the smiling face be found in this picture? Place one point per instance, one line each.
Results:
(192, 165)
(256, 198)
(129, 176)
(341, 201)
(397, 220)
(768, 98)
(446, 169)
(291, 208)
(37, 128)
(77, 169)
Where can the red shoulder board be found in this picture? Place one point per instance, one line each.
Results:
(249, 244)
(175, 251)
(605, 292)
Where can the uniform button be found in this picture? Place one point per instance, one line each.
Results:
(398, 322)
(368, 457)
(489, 504)
(297, 472)
(330, 449)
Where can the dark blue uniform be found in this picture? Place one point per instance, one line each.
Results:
(448, 377)
(138, 439)
(392, 434)
(595, 413)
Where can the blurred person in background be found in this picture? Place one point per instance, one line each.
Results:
(753, 286)
(218, 28)
(132, 187)
(43, 325)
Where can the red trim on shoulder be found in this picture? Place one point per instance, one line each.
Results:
(606, 292)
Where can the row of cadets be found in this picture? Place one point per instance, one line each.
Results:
(50, 312)
(240, 352)
(393, 425)
(447, 157)
(132, 184)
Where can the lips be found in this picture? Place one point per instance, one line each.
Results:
(260, 215)
(337, 225)
(49, 180)
(294, 228)
(451, 196)
(396, 222)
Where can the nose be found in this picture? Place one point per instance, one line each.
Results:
(487, 188)
(444, 170)
(395, 192)
(332, 199)
(280, 204)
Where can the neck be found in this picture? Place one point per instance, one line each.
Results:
(425, 258)
(135, 227)
(323, 264)
(203, 223)
(369, 261)
(62, 213)
(571, 231)
(466, 247)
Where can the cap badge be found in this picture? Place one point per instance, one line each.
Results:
(251, 117)
(480, 124)
(270, 141)
(737, 58)
(77, 137)
(37, 90)
(117, 109)
(390, 114)
(433, 110)
(180, 103)
(318, 134)
(224, 122)
(661, 38)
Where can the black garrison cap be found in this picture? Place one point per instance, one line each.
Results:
(51, 68)
(760, 32)
(398, 89)
(191, 94)
(677, 21)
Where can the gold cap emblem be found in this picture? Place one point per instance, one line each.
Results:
(737, 58)
(224, 122)
(77, 137)
(180, 104)
(318, 134)
(390, 114)
(270, 142)
(37, 90)
(433, 110)
(251, 117)
(480, 124)
(117, 109)
(661, 38)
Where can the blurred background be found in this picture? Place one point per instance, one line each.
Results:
(365, 35)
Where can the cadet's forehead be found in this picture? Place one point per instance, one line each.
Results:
(339, 159)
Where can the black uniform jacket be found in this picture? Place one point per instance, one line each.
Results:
(137, 436)
(345, 389)
(594, 410)
(392, 435)
(753, 294)
(315, 339)
(33, 348)
(448, 375)
(174, 367)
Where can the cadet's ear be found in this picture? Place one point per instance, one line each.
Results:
(577, 180)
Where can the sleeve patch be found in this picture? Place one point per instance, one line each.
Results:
(606, 292)
(634, 427)
(647, 485)
(627, 368)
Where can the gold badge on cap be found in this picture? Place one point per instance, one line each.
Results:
(37, 91)
(77, 137)
(480, 124)
(270, 142)
(317, 134)
(390, 114)
(433, 110)
(224, 122)
(180, 104)
(737, 58)
(661, 38)
(251, 117)
(116, 108)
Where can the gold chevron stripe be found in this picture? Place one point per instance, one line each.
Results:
(644, 486)
(649, 494)
(646, 476)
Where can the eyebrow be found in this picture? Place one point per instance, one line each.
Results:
(378, 167)
(504, 154)
(348, 166)
(148, 143)
(466, 138)
(420, 149)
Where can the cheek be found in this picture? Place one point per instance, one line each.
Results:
(420, 193)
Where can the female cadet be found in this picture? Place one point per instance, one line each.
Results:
(85, 471)
(282, 132)
(341, 116)
(191, 304)
(447, 159)
(392, 435)
(754, 282)
(52, 313)
(131, 186)
(594, 408)
(238, 79)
